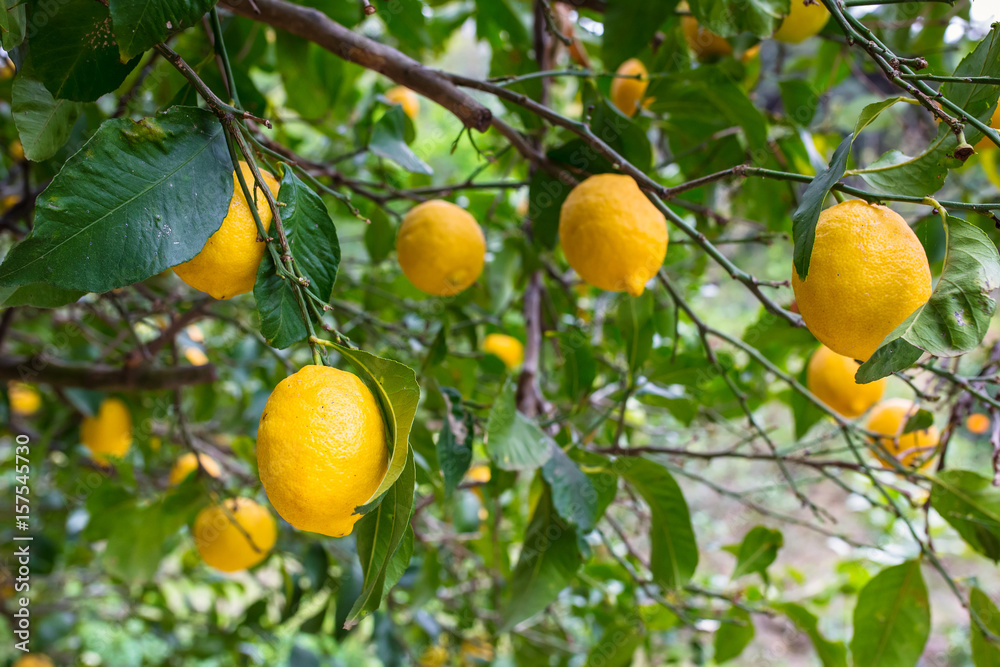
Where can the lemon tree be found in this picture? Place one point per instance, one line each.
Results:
(499, 332)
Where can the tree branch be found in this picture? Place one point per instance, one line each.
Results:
(40, 370)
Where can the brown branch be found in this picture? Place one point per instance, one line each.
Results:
(100, 376)
(315, 26)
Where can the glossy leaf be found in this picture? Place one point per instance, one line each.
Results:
(139, 24)
(139, 198)
(807, 214)
(43, 122)
(573, 494)
(978, 99)
(892, 619)
(389, 141)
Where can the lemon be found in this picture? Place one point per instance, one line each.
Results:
(187, 464)
(704, 43)
(627, 94)
(985, 144)
(805, 19)
(978, 423)
(24, 399)
(227, 265)
(612, 234)
(8, 202)
(508, 348)
(406, 98)
(109, 432)
(830, 377)
(229, 547)
(917, 447)
(480, 474)
(16, 150)
(441, 248)
(195, 356)
(321, 449)
(34, 660)
(868, 274)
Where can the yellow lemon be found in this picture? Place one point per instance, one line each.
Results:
(229, 547)
(321, 449)
(480, 474)
(24, 399)
(704, 43)
(985, 144)
(868, 274)
(227, 265)
(441, 248)
(406, 98)
(195, 333)
(508, 348)
(612, 234)
(805, 19)
(187, 464)
(109, 432)
(195, 355)
(626, 93)
(8, 202)
(16, 150)
(978, 423)
(917, 447)
(34, 660)
(830, 377)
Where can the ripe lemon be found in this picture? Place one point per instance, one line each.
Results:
(985, 144)
(627, 94)
(227, 265)
(705, 43)
(34, 660)
(16, 150)
(109, 432)
(830, 377)
(479, 474)
(868, 274)
(321, 449)
(612, 235)
(441, 248)
(195, 356)
(405, 98)
(805, 19)
(228, 547)
(187, 464)
(978, 423)
(508, 348)
(917, 447)
(24, 399)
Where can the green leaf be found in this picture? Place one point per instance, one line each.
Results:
(985, 653)
(513, 441)
(454, 445)
(977, 99)
(807, 214)
(548, 563)
(971, 505)
(956, 317)
(139, 24)
(43, 122)
(546, 195)
(734, 635)
(629, 27)
(728, 18)
(892, 619)
(831, 654)
(407, 23)
(622, 133)
(389, 141)
(379, 535)
(799, 99)
(400, 560)
(380, 235)
(919, 176)
(573, 494)
(757, 551)
(805, 413)
(138, 198)
(13, 25)
(617, 645)
(38, 295)
(635, 320)
(920, 421)
(75, 55)
(873, 111)
(312, 239)
(674, 549)
(579, 364)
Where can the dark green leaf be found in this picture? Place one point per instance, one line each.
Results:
(622, 134)
(580, 366)
(956, 317)
(728, 18)
(734, 635)
(37, 295)
(406, 22)
(892, 619)
(629, 27)
(985, 652)
(548, 563)
(139, 198)
(805, 412)
(546, 195)
(920, 421)
(139, 24)
(674, 550)
(831, 654)
(514, 442)
(454, 445)
(380, 235)
(971, 505)
(977, 99)
(799, 99)
(43, 123)
(919, 176)
(757, 551)
(13, 24)
(573, 494)
(389, 141)
(635, 320)
(76, 56)
(807, 214)
(312, 239)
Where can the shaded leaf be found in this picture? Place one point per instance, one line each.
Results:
(728, 19)
(380, 235)
(573, 494)
(513, 441)
(807, 214)
(629, 27)
(734, 635)
(38, 295)
(139, 24)
(805, 413)
(43, 122)
(389, 141)
(454, 445)
(971, 505)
